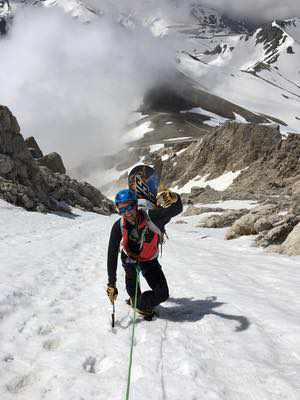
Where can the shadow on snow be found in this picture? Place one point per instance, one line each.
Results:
(191, 310)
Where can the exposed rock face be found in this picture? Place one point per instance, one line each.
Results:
(269, 222)
(12, 146)
(6, 164)
(246, 225)
(217, 50)
(202, 195)
(268, 163)
(243, 226)
(262, 224)
(278, 232)
(27, 184)
(33, 147)
(295, 208)
(54, 162)
(232, 147)
(270, 36)
(3, 27)
(274, 170)
(222, 220)
(291, 245)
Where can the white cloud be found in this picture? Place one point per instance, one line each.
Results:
(72, 85)
(261, 9)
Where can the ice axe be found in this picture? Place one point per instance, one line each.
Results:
(113, 315)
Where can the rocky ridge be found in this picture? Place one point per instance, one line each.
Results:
(267, 168)
(265, 162)
(37, 182)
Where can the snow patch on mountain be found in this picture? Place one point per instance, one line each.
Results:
(138, 132)
(215, 119)
(76, 9)
(260, 75)
(222, 182)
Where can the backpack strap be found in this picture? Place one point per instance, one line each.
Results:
(154, 228)
(151, 225)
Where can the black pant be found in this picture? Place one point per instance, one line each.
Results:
(155, 278)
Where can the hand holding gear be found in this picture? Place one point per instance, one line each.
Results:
(166, 198)
(112, 293)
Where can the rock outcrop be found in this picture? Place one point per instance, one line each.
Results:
(246, 225)
(222, 220)
(54, 162)
(33, 147)
(291, 246)
(295, 207)
(275, 229)
(274, 171)
(278, 232)
(26, 183)
(232, 147)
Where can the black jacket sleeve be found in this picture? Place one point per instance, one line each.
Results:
(113, 252)
(161, 216)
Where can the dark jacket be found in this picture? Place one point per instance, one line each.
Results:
(159, 216)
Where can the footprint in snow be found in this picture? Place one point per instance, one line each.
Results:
(18, 384)
(45, 330)
(8, 358)
(89, 365)
(51, 344)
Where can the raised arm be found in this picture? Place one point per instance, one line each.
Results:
(113, 253)
(170, 207)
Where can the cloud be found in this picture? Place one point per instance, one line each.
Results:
(73, 85)
(261, 10)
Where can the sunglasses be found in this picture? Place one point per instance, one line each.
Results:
(129, 207)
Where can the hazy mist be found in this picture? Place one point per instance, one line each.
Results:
(71, 85)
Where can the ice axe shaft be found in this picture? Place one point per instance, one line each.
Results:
(113, 316)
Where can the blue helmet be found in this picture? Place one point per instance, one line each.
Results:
(125, 195)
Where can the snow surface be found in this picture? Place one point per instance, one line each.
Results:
(181, 151)
(229, 330)
(232, 204)
(239, 118)
(177, 139)
(222, 182)
(272, 91)
(215, 119)
(156, 147)
(136, 116)
(77, 9)
(138, 132)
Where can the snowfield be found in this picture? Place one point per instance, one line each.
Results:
(273, 90)
(230, 329)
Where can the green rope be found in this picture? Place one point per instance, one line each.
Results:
(133, 329)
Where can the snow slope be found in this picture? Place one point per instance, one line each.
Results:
(247, 72)
(229, 330)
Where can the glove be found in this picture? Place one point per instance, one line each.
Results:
(166, 198)
(112, 293)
